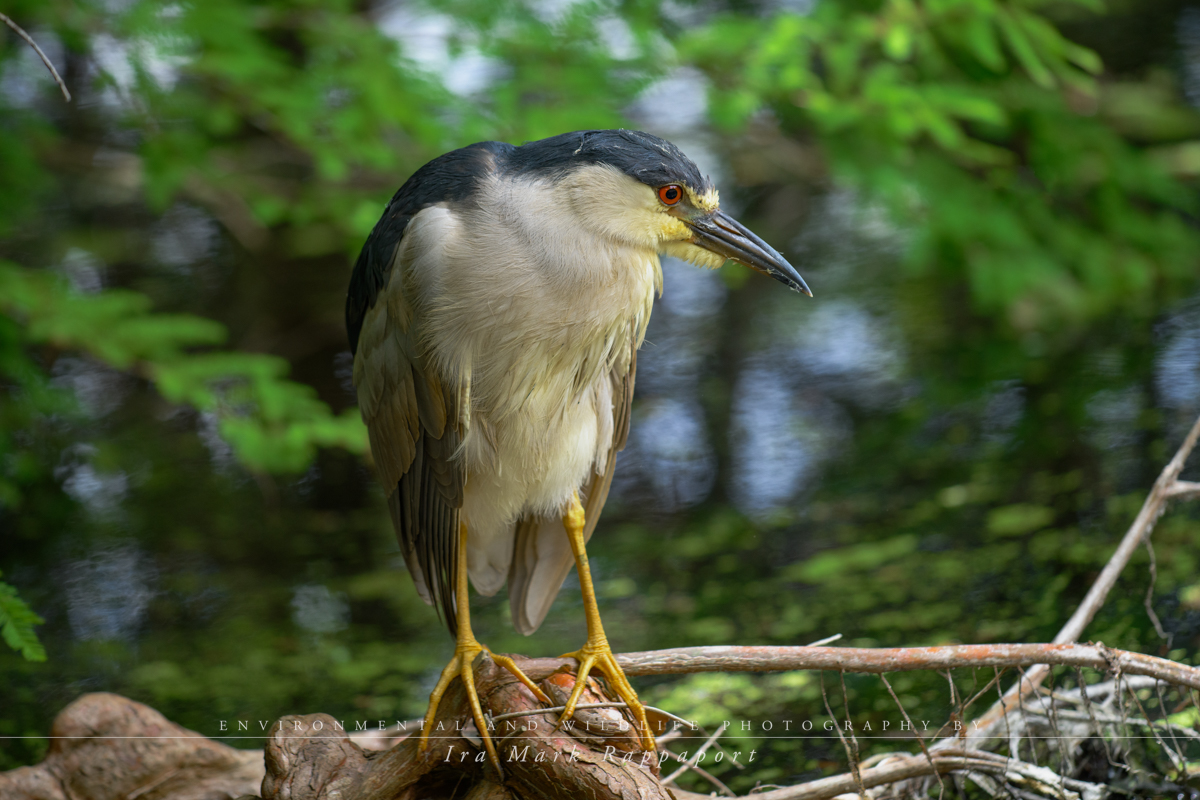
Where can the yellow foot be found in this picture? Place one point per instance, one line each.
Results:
(462, 666)
(600, 656)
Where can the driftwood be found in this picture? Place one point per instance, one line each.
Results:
(105, 747)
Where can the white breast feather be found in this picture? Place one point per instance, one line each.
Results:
(531, 341)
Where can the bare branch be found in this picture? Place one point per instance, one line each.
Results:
(1151, 510)
(685, 660)
(45, 60)
(913, 728)
(1168, 485)
(912, 766)
(1183, 490)
(694, 760)
(699, 771)
(1148, 601)
(851, 755)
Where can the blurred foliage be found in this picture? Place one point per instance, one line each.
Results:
(272, 424)
(16, 625)
(183, 493)
(977, 124)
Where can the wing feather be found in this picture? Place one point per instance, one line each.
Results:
(415, 430)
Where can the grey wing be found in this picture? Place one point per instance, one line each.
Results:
(542, 555)
(415, 428)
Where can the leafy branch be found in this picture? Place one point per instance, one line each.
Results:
(273, 424)
(16, 624)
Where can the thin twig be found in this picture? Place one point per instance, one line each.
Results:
(1149, 600)
(1087, 704)
(850, 754)
(691, 762)
(1080, 716)
(853, 737)
(914, 766)
(1008, 736)
(970, 702)
(826, 640)
(1177, 760)
(913, 728)
(1183, 490)
(701, 772)
(45, 60)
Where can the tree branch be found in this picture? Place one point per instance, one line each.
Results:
(1168, 485)
(686, 660)
(45, 60)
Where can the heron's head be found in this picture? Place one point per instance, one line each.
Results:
(642, 190)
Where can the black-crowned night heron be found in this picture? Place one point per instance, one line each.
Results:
(495, 315)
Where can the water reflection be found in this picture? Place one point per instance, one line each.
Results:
(845, 240)
(677, 104)
(1177, 367)
(108, 593)
(84, 271)
(208, 427)
(101, 493)
(670, 460)
(1114, 414)
(683, 331)
(184, 236)
(98, 389)
(779, 437)
(318, 610)
(848, 352)
(1004, 408)
(806, 361)
(669, 453)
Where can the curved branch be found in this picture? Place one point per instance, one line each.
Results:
(45, 59)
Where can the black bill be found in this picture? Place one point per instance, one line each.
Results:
(722, 234)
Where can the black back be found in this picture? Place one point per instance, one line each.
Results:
(448, 178)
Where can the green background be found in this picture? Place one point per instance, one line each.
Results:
(994, 202)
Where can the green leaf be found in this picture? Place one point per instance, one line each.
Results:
(273, 424)
(1024, 51)
(16, 625)
(979, 34)
(1019, 519)
(898, 43)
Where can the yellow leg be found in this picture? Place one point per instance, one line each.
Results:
(596, 653)
(466, 649)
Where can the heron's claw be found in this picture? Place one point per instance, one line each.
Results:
(512, 667)
(462, 666)
(600, 656)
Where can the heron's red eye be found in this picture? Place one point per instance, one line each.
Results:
(670, 194)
